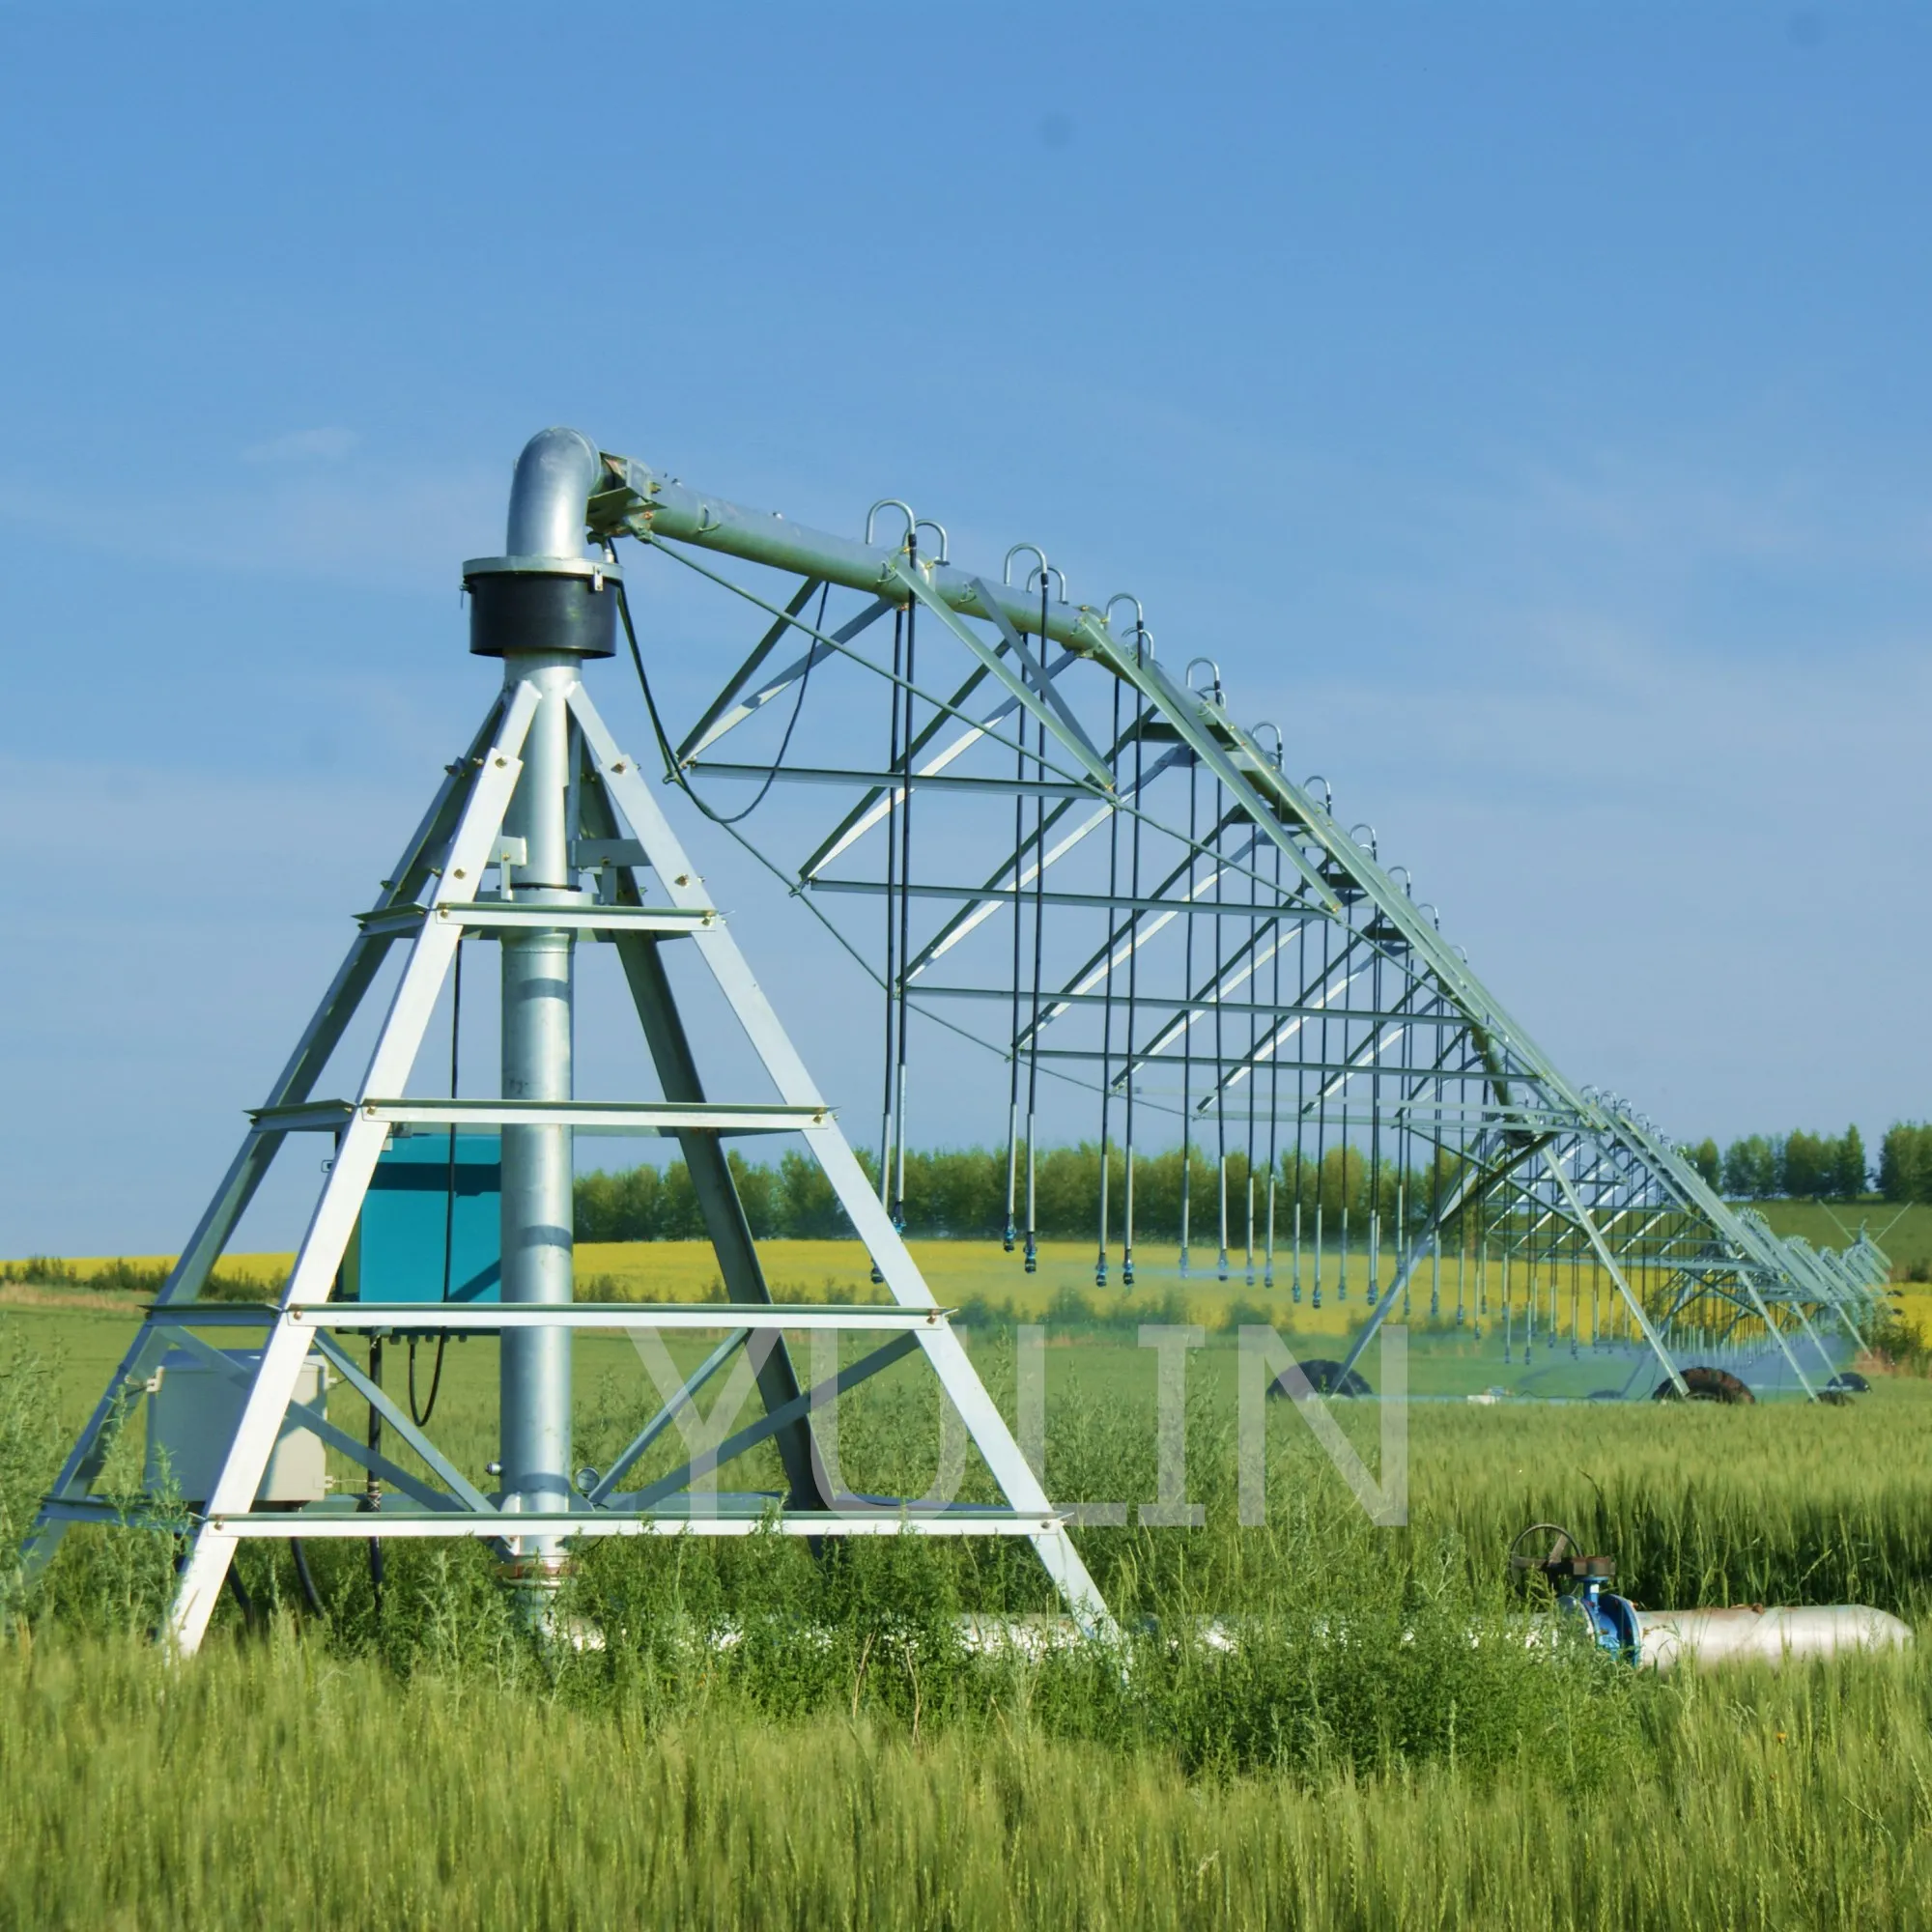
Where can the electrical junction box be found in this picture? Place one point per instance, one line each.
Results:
(413, 1216)
(193, 1412)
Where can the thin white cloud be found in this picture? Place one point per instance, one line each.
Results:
(383, 524)
(305, 446)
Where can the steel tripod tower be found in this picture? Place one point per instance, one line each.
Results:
(545, 800)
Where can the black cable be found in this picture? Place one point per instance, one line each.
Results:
(422, 1420)
(784, 743)
(676, 775)
(891, 924)
(1133, 966)
(1220, 1046)
(1032, 1252)
(1321, 1120)
(1107, 1010)
(1376, 1128)
(372, 1488)
(1013, 1054)
(1187, 1013)
(1274, 1074)
(905, 893)
(306, 1576)
(240, 1591)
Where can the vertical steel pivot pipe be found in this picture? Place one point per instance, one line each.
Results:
(542, 609)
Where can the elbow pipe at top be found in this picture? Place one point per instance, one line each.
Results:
(543, 597)
(556, 477)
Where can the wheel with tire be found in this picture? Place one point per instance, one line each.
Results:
(1704, 1384)
(1326, 1378)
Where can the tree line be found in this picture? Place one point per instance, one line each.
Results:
(963, 1191)
(1802, 1167)
(1794, 1166)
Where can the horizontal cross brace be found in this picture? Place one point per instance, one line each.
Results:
(880, 781)
(518, 918)
(865, 1317)
(1170, 1057)
(1156, 1003)
(1099, 901)
(605, 1117)
(729, 1520)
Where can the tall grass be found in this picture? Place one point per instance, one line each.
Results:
(276, 1785)
(739, 1733)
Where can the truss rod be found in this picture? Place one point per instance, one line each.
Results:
(1006, 896)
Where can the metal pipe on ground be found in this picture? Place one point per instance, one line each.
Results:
(1754, 1633)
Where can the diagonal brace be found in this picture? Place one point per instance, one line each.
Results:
(769, 1425)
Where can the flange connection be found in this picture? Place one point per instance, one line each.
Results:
(569, 603)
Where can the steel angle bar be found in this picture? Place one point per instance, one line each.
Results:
(883, 672)
(493, 1316)
(1166, 1037)
(1374, 1048)
(729, 716)
(768, 1425)
(1239, 1064)
(985, 1427)
(1233, 910)
(607, 1116)
(412, 872)
(762, 1517)
(1036, 691)
(667, 919)
(639, 1445)
(641, 501)
(983, 903)
(921, 781)
(323, 1430)
(317, 1045)
(327, 1237)
(1186, 712)
(1170, 1003)
(695, 739)
(1337, 973)
(1465, 1188)
(139, 1515)
(1253, 952)
(715, 1186)
(646, 503)
(404, 1424)
(873, 809)
(1616, 1274)
(1038, 673)
(1123, 941)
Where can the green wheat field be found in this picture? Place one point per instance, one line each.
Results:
(738, 1734)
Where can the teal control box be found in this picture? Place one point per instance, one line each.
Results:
(422, 1205)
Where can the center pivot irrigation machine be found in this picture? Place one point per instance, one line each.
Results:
(1056, 849)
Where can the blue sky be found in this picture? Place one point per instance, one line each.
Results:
(1529, 405)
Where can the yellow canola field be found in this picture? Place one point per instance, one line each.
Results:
(961, 1271)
